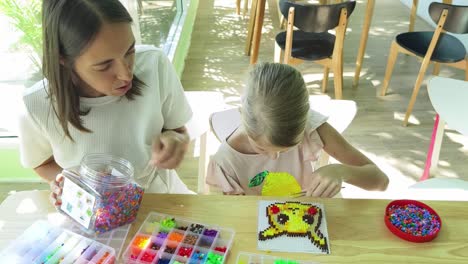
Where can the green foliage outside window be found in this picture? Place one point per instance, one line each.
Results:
(25, 16)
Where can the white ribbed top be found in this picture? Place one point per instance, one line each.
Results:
(120, 127)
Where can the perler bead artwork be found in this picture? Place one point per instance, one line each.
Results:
(275, 183)
(292, 227)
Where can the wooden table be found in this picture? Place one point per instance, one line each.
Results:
(256, 23)
(356, 228)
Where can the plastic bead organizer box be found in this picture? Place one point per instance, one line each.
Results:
(251, 258)
(163, 239)
(44, 243)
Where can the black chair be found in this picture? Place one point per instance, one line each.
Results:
(311, 41)
(432, 46)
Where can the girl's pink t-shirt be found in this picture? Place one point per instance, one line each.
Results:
(231, 170)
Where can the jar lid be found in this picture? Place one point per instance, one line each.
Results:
(100, 169)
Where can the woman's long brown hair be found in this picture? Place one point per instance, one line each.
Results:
(68, 28)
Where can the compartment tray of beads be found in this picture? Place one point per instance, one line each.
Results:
(164, 239)
(43, 242)
(412, 220)
(251, 258)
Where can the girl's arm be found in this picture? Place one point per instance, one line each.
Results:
(48, 170)
(356, 169)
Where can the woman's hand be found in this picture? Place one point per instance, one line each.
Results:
(169, 149)
(326, 181)
(56, 187)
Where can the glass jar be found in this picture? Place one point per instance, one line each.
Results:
(101, 194)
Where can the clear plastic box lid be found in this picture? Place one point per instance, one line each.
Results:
(43, 242)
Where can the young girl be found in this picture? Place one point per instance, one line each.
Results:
(273, 150)
(101, 94)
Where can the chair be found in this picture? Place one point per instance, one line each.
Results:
(437, 47)
(198, 126)
(246, 7)
(449, 98)
(340, 112)
(311, 41)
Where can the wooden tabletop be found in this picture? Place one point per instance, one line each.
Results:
(356, 229)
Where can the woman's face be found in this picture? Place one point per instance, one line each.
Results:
(106, 65)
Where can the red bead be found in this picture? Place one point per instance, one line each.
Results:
(312, 211)
(274, 209)
(221, 249)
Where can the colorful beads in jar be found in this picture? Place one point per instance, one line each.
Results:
(102, 194)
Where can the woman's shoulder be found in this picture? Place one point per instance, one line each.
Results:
(148, 50)
(36, 102)
(37, 94)
(150, 62)
(148, 55)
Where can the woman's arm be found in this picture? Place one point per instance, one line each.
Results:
(356, 169)
(48, 170)
(170, 147)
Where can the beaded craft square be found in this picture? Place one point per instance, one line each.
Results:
(292, 227)
(164, 239)
(43, 242)
(251, 258)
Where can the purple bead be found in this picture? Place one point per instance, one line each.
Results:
(210, 232)
(162, 235)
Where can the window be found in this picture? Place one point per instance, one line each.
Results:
(157, 22)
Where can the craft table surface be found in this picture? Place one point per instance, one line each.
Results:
(357, 232)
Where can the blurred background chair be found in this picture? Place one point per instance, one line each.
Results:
(198, 127)
(437, 46)
(450, 100)
(312, 41)
(246, 7)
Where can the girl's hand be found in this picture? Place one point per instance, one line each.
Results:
(56, 187)
(169, 149)
(326, 181)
